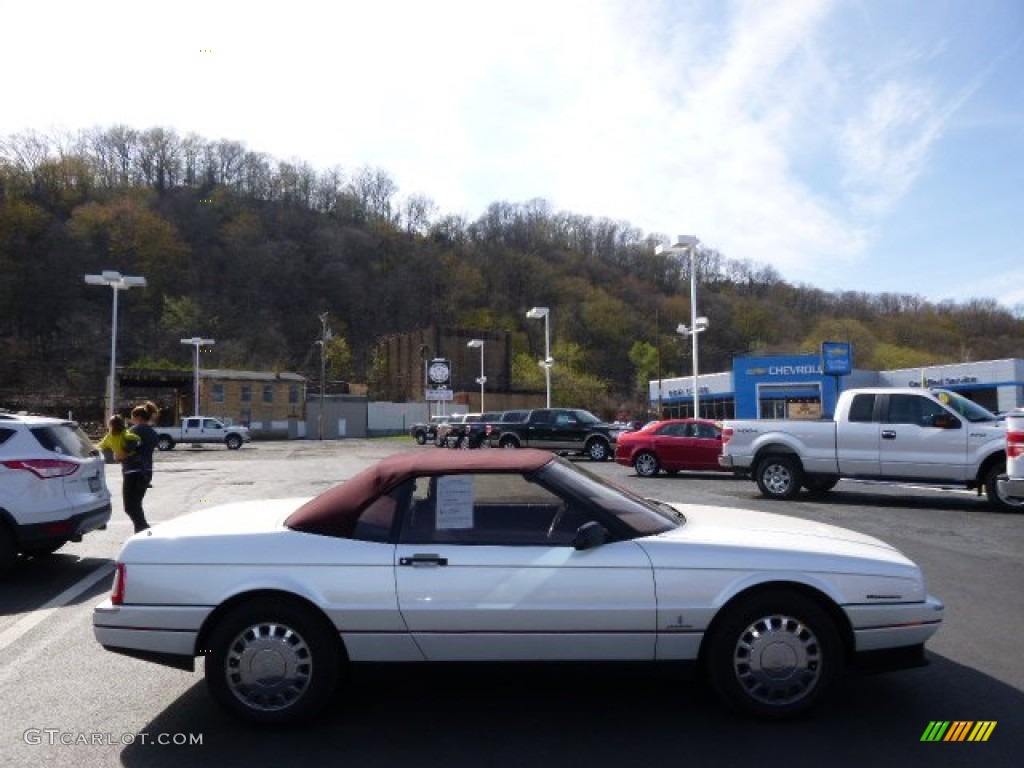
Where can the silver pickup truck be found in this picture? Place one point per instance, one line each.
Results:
(932, 437)
(202, 429)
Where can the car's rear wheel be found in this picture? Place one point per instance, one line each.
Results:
(8, 550)
(508, 442)
(42, 549)
(272, 662)
(774, 655)
(779, 477)
(646, 464)
(165, 443)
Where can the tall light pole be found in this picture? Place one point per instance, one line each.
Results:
(117, 282)
(325, 336)
(473, 344)
(697, 324)
(535, 314)
(197, 342)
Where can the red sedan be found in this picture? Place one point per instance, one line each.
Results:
(671, 445)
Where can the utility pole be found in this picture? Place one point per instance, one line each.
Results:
(325, 335)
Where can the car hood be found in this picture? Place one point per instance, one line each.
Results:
(722, 537)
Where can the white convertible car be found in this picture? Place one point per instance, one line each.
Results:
(508, 556)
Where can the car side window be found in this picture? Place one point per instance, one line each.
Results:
(376, 521)
(862, 408)
(488, 509)
(706, 431)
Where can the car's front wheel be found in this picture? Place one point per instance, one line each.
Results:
(233, 442)
(646, 464)
(421, 438)
(774, 655)
(272, 662)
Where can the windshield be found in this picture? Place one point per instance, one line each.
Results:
(586, 417)
(969, 409)
(644, 516)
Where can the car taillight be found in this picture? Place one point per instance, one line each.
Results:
(1014, 445)
(44, 468)
(726, 434)
(117, 590)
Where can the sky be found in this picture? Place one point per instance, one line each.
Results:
(864, 145)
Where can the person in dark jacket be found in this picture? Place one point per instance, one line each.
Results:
(137, 468)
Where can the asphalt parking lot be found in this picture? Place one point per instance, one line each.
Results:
(68, 702)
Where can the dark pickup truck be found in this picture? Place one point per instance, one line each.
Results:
(564, 430)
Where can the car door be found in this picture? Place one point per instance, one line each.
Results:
(485, 570)
(706, 445)
(672, 446)
(913, 447)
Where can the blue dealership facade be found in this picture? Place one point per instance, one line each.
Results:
(807, 386)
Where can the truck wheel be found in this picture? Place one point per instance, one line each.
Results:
(508, 442)
(165, 443)
(779, 477)
(421, 438)
(598, 450)
(233, 442)
(999, 501)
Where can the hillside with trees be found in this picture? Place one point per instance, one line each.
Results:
(250, 250)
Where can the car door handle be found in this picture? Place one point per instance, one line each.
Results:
(888, 434)
(421, 560)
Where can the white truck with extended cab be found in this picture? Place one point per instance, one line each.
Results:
(202, 429)
(929, 437)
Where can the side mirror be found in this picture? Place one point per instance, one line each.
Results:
(590, 535)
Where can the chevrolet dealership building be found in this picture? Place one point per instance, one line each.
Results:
(797, 386)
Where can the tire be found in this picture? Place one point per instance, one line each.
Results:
(646, 464)
(508, 441)
(819, 485)
(421, 438)
(165, 443)
(8, 550)
(598, 450)
(998, 501)
(272, 662)
(774, 655)
(233, 442)
(779, 477)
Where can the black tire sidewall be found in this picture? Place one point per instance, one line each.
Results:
(326, 658)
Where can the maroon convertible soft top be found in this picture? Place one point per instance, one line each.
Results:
(333, 512)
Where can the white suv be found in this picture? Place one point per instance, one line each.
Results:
(53, 486)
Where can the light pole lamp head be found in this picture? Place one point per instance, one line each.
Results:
(538, 312)
(701, 324)
(474, 343)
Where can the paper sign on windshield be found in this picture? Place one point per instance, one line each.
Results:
(454, 502)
